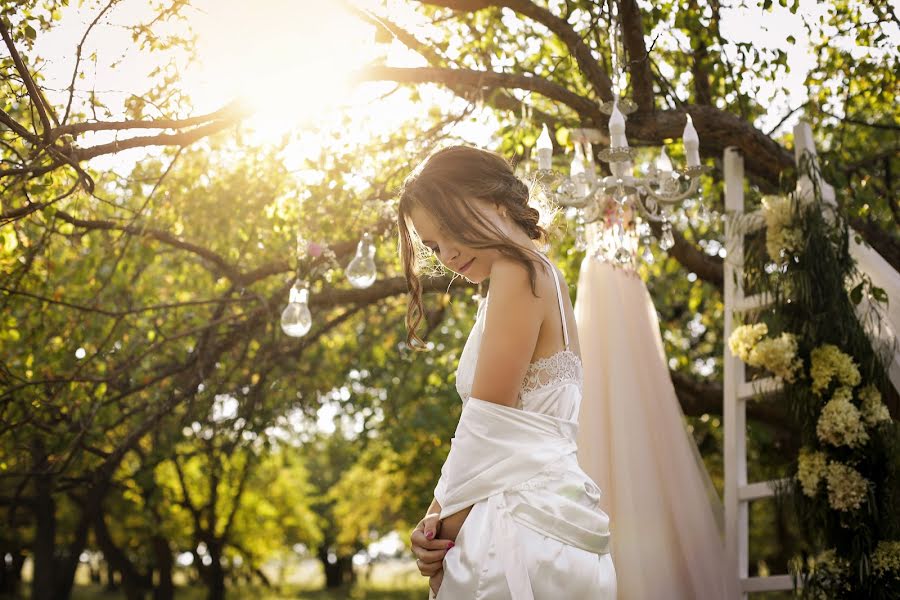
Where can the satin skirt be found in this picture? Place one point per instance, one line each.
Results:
(474, 567)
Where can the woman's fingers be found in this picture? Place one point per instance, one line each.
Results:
(429, 569)
(430, 556)
(431, 524)
(418, 539)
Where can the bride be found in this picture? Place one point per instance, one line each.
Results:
(514, 516)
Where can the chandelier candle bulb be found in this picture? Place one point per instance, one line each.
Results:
(590, 165)
(617, 137)
(664, 164)
(577, 171)
(576, 168)
(691, 144)
(545, 150)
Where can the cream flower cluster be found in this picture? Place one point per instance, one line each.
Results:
(745, 337)
(886, 559)
(780, 234)
(810, 470)
(827, 362)
(840, 423)
(872, 409)
(847, 488)
(777, 355)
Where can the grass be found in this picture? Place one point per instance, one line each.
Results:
(356, 592)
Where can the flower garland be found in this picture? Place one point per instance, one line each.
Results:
(845, 483)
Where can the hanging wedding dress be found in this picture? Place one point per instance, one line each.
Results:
(536, 530)
(665, 514)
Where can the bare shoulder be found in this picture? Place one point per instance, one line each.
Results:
(508, 275)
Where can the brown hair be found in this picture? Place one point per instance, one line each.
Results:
(444, 184)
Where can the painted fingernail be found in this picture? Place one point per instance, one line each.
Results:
(429, 534)
(451, 545)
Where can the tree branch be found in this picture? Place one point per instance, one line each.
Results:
(590, 66)
(638, 59)
(587, 109)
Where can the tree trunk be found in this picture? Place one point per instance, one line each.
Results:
(11, 574)
(164, 589)
(215, 572)
(43, 579)
(133, 582)
(337, 573)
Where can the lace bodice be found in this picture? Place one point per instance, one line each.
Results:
(561, 367)
(542, 377)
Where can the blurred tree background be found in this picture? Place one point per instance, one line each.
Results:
(153, 413)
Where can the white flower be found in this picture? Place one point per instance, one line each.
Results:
(840, 423)
(782, 237)
(872, 409)
(778, 355)
(828, 362)
(810, 470)
(847, 488)
(744, 338)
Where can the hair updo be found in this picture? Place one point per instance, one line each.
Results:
(445, 184)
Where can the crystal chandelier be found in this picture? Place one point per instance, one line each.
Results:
(637, 199)
(651, 197)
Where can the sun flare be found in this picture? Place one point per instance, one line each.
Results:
(289, 61)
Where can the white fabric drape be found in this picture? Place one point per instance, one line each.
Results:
(665, 516)
(495, 453)
(883, 331)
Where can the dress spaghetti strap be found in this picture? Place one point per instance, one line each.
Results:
(562, 312)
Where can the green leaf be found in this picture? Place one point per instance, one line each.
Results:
(856, 294)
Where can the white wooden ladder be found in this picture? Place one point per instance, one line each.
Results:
(737, 391)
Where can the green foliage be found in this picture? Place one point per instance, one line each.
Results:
(811, 300)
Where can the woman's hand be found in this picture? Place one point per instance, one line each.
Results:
(428, 550)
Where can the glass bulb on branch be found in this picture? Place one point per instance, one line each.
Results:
(361, 271)
(296, 320)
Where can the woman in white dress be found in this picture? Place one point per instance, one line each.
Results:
(526, 520)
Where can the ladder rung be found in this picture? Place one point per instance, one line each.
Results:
(764, 386)
(752, 302)
(760, 489)
(767, 584)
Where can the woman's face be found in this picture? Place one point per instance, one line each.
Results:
(473, 264)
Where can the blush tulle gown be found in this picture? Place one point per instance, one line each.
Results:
(666, 516)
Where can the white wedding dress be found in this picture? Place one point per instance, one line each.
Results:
(536, 529)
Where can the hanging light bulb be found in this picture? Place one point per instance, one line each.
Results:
(361, 271)
(296, 320)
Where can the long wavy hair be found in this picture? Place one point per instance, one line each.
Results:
(445, 184)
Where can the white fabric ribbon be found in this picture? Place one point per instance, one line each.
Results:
(494, 448)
